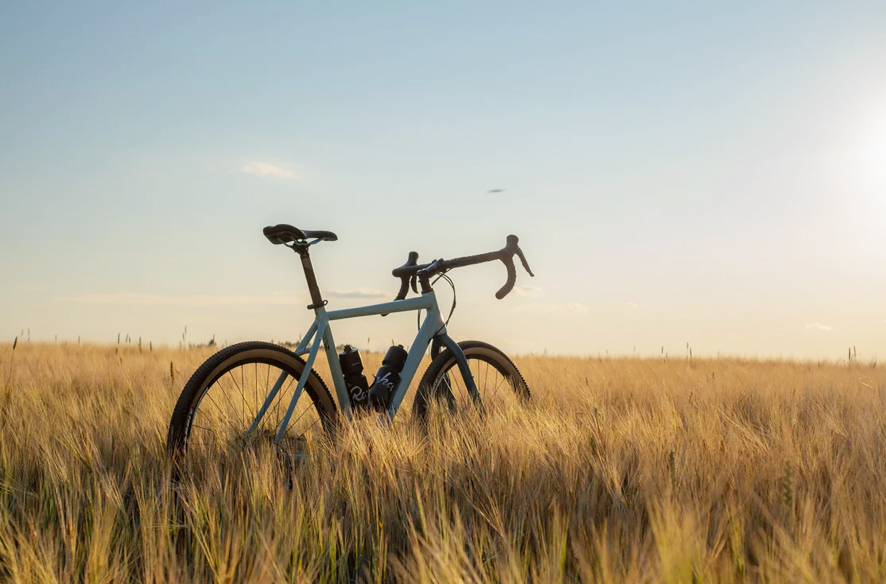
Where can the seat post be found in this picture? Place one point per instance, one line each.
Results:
(316, 300)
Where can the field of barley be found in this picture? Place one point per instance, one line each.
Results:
(619, 470)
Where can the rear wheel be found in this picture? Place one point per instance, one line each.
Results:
(498, 381)
(221, 400)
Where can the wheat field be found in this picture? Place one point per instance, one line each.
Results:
(619, 470)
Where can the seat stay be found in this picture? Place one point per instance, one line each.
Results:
(303, 344)
(321, 332)
(320, 324)
(268, 401)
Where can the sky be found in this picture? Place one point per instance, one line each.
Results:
(695, 172)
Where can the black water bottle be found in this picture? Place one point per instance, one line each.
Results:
(355, 381)
(387, 378)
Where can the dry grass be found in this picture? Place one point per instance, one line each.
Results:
(621, 470)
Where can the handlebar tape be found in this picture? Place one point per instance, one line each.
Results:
(508, 261)
(411, 261)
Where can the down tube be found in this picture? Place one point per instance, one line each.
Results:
(429, 328)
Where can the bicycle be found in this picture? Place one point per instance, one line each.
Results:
(206, 412)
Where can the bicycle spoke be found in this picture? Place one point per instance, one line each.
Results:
(255, 388)
(205, 428)
(314, 423)
(267, 383)
(279, 399)
(219, 420)
(497, 383)
(487, 380)
(206, 394)
(305, 411)
(243, 417)
(224, 393)
(486, 375)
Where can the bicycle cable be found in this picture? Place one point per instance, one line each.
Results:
(454, 301)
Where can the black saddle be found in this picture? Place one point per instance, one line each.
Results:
(284, 233)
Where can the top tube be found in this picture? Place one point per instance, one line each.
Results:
(423, 302)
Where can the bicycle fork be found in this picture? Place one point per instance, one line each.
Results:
(463, 367)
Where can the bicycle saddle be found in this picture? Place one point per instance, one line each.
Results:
(284, 233)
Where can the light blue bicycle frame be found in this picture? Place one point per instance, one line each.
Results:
(321, 332)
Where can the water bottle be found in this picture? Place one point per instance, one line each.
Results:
(355, 381)
(387, 378)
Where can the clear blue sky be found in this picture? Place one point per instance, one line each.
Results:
(707, 173)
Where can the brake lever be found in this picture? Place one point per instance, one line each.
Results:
(404, 280)
(524, 262)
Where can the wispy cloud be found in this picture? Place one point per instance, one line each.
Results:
(561, 308)
(632, 305)
(274, 299)
(128, 299)
(266, 169)
(366, 293)
(530, 291)
(817, 326)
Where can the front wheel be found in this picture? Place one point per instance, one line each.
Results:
(221, 402)
(498, 381)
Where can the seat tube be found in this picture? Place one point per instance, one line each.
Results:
(338, 380)
(313, 288)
